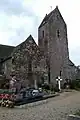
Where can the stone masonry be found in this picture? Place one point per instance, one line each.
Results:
(52, 39)
(28, 63)
(43, 62)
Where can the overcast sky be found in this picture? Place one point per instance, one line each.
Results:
(19, 18)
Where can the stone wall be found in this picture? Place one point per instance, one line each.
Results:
(78, 73)
(57, 45)
(28, 63)
(72, 72)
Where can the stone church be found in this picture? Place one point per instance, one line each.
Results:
(43, 63)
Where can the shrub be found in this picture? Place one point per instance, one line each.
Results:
(75, 84)
(56, 89)
(77, 113)
(51, 87)
(45, 86)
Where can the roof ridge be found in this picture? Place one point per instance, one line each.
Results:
(29, 37)
(7, 45)
(45, 19)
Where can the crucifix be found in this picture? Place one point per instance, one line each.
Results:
(59, 82)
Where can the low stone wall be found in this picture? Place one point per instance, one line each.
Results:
(43, 101)
(32, 104)
(73, 117)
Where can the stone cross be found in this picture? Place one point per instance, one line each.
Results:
(59, 82)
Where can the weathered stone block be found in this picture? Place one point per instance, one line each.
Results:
(73, 117)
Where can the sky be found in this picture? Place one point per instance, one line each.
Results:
(20, 18)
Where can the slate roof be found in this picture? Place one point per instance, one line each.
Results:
(46, 18)
(5, 50)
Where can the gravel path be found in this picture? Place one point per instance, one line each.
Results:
(55, 109)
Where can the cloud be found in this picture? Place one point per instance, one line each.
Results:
(75, 55)
(17, 29)
(19, 18)
(24, 28)
(14, 7)
(17, 21)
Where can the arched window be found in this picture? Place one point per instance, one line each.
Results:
(58, 33)
(60, 72)
(43, 33)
